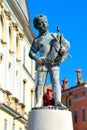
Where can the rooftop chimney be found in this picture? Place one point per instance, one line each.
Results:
(79, 76)
(65, 84)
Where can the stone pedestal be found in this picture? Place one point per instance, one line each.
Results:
(49, 119)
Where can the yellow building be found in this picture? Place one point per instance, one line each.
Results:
(17, 77)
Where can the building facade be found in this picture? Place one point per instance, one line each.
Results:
(75, 98)
(17, 76)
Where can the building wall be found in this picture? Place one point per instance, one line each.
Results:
(75, 99)
(17, 76)
(10, 122)
(80, 103)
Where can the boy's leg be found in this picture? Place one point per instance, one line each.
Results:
(41, 78)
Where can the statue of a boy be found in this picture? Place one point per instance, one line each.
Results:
(52, 53)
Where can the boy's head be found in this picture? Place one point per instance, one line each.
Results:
(41, 22)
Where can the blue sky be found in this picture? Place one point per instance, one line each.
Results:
(71, 17)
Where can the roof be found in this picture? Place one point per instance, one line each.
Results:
(22, 4)
(73, 88)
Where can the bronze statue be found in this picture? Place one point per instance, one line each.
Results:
(53, 49)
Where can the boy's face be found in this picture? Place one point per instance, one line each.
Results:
(42, 24)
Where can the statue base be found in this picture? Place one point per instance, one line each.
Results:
(49, 118)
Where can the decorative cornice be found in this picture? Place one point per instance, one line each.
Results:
(11, 52)
(14, 98)
(8, 92)
(3, 42)
(18, 60)
(1, 89)
(32, 91)
(22, 105)
(21, 36)
(15, 26)
(13, 113)
(7, 15)
(24, 81)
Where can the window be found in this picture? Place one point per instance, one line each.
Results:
(5, 124)
(83, 114)
(70, 102)
(84, 93)
(75, 116)
(76, 96)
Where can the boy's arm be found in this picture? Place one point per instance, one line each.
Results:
(33, 51)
